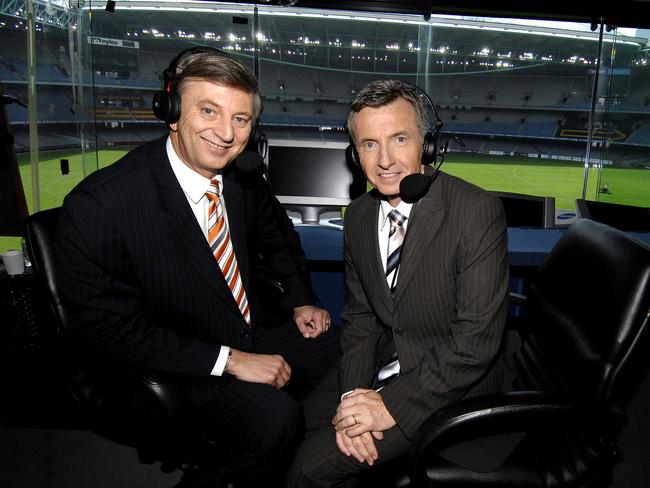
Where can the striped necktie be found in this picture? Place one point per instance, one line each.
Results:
(221, 245)
(395, 239)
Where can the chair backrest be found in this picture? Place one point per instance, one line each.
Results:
(86, 380)
(39, 236)
(587, 313)
(623, 217)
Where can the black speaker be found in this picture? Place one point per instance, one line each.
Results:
(65, 166)
(167, 103)
(429, 144)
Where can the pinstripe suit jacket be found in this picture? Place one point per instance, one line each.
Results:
(141, 279)
(446, 318)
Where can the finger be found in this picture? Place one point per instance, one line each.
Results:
(362, 449)
(351, 448)
(341, 445)
(345, 423)
(357, 430)
(370, 445)
(354, 451)
(303, 327)
(378, 435)
(316, 329)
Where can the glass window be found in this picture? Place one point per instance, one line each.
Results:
(524, 103)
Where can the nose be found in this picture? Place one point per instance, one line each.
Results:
(223, 129)
(385, 157)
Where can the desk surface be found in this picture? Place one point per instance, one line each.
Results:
(323, 247)
(526, 246)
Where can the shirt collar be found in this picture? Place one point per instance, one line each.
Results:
(385, 208)
(193, 184)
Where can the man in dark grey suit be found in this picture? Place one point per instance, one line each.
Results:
(434, 313)
(157, 255)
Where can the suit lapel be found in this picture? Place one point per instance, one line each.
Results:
(234, 198)
(371, 246)
(425, 220)
(180, 223)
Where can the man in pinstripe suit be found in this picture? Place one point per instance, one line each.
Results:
(442, 316)
(147, 291)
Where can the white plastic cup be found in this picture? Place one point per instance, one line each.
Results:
(14, 262)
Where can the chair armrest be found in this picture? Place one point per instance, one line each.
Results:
(124, 391)
(507, 413)
(504, 413)
(491, 414)
(166, 391)
(268, 282)
(516, 299)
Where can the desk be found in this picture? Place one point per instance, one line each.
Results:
(323, 246)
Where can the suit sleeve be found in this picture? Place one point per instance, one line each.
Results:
(361, 332)
(108, 309)
(462, 359)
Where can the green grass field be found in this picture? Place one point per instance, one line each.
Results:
(518, 175)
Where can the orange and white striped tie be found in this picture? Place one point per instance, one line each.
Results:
(221, 245)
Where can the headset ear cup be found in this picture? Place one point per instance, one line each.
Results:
(352, 156)
(257, 141)
(166, 106)
(429, 148)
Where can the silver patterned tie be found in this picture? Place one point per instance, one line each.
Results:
(395, 240)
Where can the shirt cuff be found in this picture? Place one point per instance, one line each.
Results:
(222, 360)
(346, 394)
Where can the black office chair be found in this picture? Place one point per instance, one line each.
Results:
(139, 408)
(587, 317)
(623, 217)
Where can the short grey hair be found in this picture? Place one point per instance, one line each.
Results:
(384, 92)
(219, 68)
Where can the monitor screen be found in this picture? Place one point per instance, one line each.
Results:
(527, 210)
(310, 178)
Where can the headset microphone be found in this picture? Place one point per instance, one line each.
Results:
(249, 162)
(414, 186)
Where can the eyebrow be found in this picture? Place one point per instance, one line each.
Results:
(393, 135)
(210, 102)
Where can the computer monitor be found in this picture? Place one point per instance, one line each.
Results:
(312, 177)
(527, 210)
(628, 218)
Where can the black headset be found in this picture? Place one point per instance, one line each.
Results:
(429, 145)
(167, 102)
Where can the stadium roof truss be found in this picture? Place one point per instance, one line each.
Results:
(56, 13)
(313, 34)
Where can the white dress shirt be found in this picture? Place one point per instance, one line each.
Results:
(195, 186)
(383, 226)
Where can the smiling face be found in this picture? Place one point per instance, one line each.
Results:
(213, 127)
(389, 143)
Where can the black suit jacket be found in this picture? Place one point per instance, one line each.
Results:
(142, 282)
(446, 319)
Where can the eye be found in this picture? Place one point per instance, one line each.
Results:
(240, 121)
(207, 111)
(369, 145)
(400, 140)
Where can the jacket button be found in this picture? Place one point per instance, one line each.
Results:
(398, 331)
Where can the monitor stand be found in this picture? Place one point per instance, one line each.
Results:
(311, 214)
